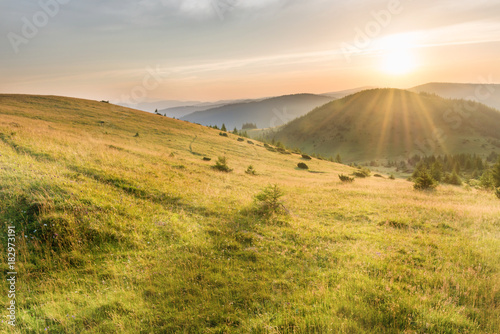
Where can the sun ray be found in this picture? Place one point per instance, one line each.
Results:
(388, 118)
(406, 124)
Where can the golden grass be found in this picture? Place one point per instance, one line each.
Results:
(152, 239)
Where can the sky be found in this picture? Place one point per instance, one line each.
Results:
(132, 52)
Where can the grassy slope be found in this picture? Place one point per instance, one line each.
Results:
(394, 124)
(150, 239)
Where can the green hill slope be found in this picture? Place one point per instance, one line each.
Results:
(122, 227)
(394, 124)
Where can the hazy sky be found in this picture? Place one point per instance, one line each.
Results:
(221, 49)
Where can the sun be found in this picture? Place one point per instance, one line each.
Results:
(397, 53)
(398, 62)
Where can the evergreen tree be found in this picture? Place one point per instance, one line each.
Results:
(235, 131)
(437, 171)
(469, 164)
(223, 128)
(338, 158)
(496, 173)
(420, 169)
(486, 180)
(424, 181)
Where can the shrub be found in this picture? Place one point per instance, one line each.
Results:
(305, 156)
(378, 175)
(363, 172)
(221, 164)
(250, 142)
(345, 178)
(282, 150)
(136, 134)
(269, 201)
(251, 171)
(392, 177)
(207, 159)
(424, 181)
(223, 134)
(241, 139)
(302, 165)
(271, 149)
(497, 192)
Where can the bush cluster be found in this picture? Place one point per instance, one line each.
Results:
(363, 172)
(345, 178)
(302, 165)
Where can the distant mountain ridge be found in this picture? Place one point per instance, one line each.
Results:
(343, 93)
(488, 94)
(265, 113)
(181, 111)
(391, 123)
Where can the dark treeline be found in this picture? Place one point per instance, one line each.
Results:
(464, 162)
(454, 168)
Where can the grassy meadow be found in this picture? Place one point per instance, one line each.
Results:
(123, 228)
